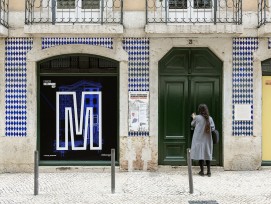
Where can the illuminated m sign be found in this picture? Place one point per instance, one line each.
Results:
(86, 114)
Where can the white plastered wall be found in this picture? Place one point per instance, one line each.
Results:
(245, 152)
(17, 153)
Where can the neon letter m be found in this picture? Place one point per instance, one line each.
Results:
(88, 118)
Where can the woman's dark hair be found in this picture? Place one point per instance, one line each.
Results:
(203, 110)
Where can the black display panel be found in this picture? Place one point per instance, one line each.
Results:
(78, 118)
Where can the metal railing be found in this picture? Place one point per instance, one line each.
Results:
(73, 11)
(263, 12)
(194, 11)
(4, 12)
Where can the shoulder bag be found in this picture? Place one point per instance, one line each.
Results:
(215, 136)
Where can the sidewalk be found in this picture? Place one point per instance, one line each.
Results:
(165, 186)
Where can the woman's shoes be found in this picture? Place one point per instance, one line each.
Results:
(201, 173)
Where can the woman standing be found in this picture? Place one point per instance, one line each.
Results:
(202, 142)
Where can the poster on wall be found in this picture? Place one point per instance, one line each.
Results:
(138, 111)
(78, 117)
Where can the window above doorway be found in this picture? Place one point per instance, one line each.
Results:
(78, 64)
(184, 4)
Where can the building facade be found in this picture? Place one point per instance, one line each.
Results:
(80, 77)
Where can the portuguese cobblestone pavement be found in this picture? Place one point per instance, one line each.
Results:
(164, 186)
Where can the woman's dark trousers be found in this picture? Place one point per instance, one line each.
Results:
(208, 164)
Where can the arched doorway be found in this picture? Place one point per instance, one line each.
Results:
(187, 78)
(77, 110)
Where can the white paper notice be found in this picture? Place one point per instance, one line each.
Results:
(138, 111)
(242, 112)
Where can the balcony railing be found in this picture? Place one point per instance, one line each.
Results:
(73, 11)
(263, 12)
(4, 13)
(194, 11)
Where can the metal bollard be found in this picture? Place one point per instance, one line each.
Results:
(190, 172)
(112, 170)
(36, 173)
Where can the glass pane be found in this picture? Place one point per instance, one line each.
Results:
(202, 4)
(90, 4)
(178, 4)
(266, 66)
(65, 4)
(78, 64)
(63, 62)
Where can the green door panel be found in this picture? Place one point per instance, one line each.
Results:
(203, 62)
(175, 153)
(187, 78)
(173, 102)
(175, 61)
(206, 90)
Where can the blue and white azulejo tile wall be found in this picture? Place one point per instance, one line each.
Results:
(51, 42)
(138, 68)
(242, 82)
(16, 85)
(138, 63)
(16, 74)
(16, 77)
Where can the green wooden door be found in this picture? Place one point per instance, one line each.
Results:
(206, 90)
(173, 102)
(187, 78)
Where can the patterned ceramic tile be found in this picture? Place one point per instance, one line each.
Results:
(51, 42)
(15, 69)
(138, 63)
(138, 68)
(15, 78)
(242, 82)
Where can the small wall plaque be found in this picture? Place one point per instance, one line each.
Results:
(242, 112)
